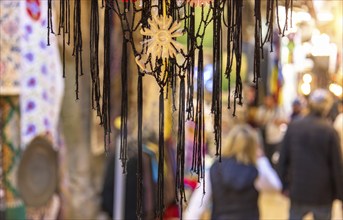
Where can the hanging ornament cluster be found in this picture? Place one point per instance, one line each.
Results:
(159, 24)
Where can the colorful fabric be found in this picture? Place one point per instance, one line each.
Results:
(10, 50)
(11, 151)
(41, 78)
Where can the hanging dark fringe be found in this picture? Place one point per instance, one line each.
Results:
(180, 150)
(106, 107)
(191, 40)
(77, 52)
(216, 108)
(270, 23)
(173, 82)
(139, 210)
(229, 49)
(237, 47)
(258, 42)
(94, 57)
(198, 159)
(50, 22)
(160, 180)
(61, 29)
(124, 106)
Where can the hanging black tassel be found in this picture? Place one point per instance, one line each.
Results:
(106, 107)
(237, 47)
(124, 106)
(216, 108)
(258, 42)
(160, 180)
(139, 211)
(94, 57)
(269, 23)
(77, 52)
(180, 151)
(50, 22)
(198, 159)
(191, 40)
(229, 48)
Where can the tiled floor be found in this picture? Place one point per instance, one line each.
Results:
(274, 206)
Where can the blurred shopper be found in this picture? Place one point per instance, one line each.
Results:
(233, 184)
(338, 124)
(297, 108)
(271, 119)
(310, 164)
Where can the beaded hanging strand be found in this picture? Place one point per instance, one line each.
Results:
(106, 106)
(77, 51)
(50, 22)
(237, 47)
(94, 58)
(229, 49)
(216, 108)
(258, 42)
(144, 22)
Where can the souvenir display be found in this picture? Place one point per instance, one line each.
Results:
(151, 30)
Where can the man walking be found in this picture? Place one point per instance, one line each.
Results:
(310, 165)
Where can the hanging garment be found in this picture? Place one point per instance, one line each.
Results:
(41, 89)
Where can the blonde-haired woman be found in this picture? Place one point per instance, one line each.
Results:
(233, 184)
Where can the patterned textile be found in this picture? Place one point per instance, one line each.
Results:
(31, 69)
(10, 50)
(10, 136)
(41, 78)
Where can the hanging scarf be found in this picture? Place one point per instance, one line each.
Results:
(41, 88)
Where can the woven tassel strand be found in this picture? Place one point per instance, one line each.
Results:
(180, 151)
(139, 210)
(198, 158)
(77, 52)
(258, 42)
(216, 108)
(94, 57)
(160, 180)
(106, 107)
(124, 107)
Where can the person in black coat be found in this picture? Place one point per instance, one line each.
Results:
(310, 165)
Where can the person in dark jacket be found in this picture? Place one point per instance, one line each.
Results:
(310, 165)
(233, 184)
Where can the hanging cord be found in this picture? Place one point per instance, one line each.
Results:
(216, 108)
(191, 40)
(270, 23)
(258, 42)
(94, 57)
(237, 47)
(160, 180)
(229, 48)
(180, 151)
(50, 22)
(106, 106)
(124, 106)
(199, 133)
(139, 210)
(77, 52)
